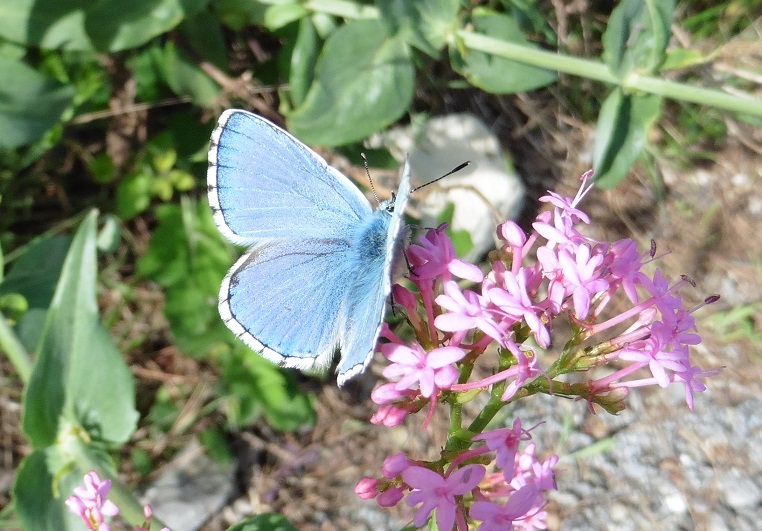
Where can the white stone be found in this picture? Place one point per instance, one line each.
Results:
(484, 194)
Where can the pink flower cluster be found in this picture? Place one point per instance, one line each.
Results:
(509, 496)
(555, 271)
(90, 504)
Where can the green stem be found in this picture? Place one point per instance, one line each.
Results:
(600, 72)
(342, 8)
(10, 344)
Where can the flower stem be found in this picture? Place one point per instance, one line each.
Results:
(10, 344)
(600, 72)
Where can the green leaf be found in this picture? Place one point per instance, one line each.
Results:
(188, 258)
(110, 235)
(279, 15)
(303, 58)
(497, 74)
(36, 505)
(30, 103)
(257, 387)
(364, 82)
(133, 195)
(238, 14)
(79, 375)
(425, 24)
(186, 78)
(637, 35)
(104, 25)
(622, 130)
(34, 275)
(264, 522)
(52, 25)
(684, 58)
(204, 33)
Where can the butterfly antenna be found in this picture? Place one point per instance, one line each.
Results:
(454, 170)
(370, 180)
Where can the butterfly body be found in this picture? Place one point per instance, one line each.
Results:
(318, 270)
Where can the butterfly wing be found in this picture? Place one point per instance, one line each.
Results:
(263, 184)
(284, 301)
(272, 193)
(371, 264)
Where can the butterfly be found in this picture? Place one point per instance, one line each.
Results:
(319, 263)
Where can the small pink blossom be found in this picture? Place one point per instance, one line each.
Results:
(394, 465)
(436, 492)
(367, 488)
(389, 415)
(466, 310)
(495, 517)
(90, 503)
(390, 497)
(432, 371)
(505, 443)
(435, 257)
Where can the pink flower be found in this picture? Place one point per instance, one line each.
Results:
(625, 266)
(505, 443)
(390, 497)
(394, 465)
(367, 488)
(582, 277)
(90, 503)
(436, 257)
(430, 370)
(435, 492)
(466, 310)
(499, 518)
(513, 299)
(389, 415)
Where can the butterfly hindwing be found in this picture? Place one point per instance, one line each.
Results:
(285, 302)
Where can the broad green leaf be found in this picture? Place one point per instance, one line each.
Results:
(279, 15)
(424, 24)
(188, 258)
(34, 275)
(36, 505)
(637, 35)
(302, 61)
(133, 195)
(204, 33)
(186, 78)
(30, 103)
(54, 25)
(237, 14)
(104, 25)
(363, 82)
(622, 131)
(257, 387)
(79, 375)
(684, 58)
(264, 522)
(497, 74)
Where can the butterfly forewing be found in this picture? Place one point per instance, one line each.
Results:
(264, 184)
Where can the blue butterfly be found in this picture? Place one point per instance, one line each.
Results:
(318, 270)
